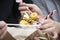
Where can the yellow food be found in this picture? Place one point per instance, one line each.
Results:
(23, 22)
(34, 15)
(29, 20)
(26, 19)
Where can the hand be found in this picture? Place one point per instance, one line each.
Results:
(32, 7)
(3, 29)
(49, 25)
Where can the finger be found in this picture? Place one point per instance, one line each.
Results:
(23, 8)
(55, 35)
(22, 4)
(2, 24)
(52, 29)
(46, 21)
(46, 26)
(36, 38)
(46, 17)
(3, 34)
(28, 5)
(25, 12)
(3, 30)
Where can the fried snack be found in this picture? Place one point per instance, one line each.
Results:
(34, 15)
(29, 19)
(26, 19)
(24, 22)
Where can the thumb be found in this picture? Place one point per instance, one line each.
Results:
(2, 24)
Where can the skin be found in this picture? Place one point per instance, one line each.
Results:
(28, 7)
(3, 29)
(48, 25)
(52, 26)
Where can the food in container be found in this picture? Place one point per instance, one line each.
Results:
(29, 19)
(33, 15)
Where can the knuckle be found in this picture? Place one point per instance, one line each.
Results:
(2, 23)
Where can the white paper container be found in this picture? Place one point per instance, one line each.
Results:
(29, 26)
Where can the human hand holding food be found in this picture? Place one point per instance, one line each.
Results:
(30, 7)
(30, 19)
(3, 29)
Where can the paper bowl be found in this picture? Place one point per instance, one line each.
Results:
(29, 26)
